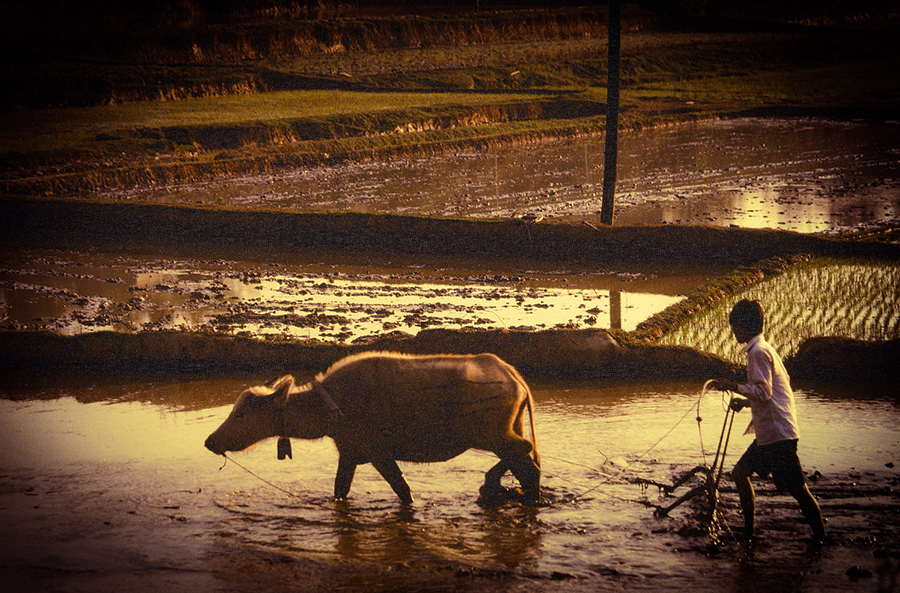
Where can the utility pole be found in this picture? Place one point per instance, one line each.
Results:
(612, 113)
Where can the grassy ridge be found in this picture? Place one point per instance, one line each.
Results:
(78, 128)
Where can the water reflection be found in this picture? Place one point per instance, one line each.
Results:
(793, 174)
(509, 539)
(479, 537)
(338, 305)
(142, 444)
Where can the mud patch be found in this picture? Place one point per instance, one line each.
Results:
(75, 293)
(804, 175)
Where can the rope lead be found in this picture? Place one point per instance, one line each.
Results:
(257, 476)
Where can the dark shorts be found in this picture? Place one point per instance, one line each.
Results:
(779, 459)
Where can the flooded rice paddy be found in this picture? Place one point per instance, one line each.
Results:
(71, 293)
(803, 175)
(108, 486)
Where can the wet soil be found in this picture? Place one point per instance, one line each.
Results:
(106, 486)
(800, 174)
(135, 519)
(72, 293)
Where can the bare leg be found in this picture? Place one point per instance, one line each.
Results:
(811, 510)
(343, 480)
(745, 491)
(390, 472)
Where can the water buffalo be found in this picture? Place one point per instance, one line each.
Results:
(381, 408)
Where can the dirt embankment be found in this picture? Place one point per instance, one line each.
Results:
(584, 354)
(278, 237)
(271, 236)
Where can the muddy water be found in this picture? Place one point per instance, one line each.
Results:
(108, 487)
(73, 293)
(795, 174)
(105, 487)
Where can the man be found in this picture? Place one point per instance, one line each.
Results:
(769, 396)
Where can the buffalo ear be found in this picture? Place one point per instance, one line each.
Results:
(283, 389)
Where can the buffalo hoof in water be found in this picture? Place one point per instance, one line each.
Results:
(496, 496)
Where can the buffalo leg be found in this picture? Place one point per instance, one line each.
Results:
(390, 472)
(492, 488)
(529, 475)
(344, 478)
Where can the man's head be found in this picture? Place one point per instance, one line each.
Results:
(746, 320)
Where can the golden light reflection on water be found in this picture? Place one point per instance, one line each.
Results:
(133, 456)
(233, 297)
(373, 307)
(764, 208)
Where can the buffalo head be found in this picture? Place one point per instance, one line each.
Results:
(258, 414)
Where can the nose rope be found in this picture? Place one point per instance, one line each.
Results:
(257, 476)
(285, 448)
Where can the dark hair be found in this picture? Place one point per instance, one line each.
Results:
(748, 315)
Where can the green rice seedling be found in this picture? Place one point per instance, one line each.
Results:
(822, 297)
